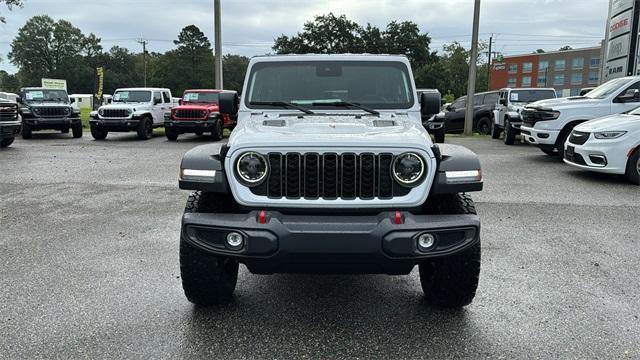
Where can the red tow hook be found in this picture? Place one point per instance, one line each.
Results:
(262, 217)
(398, 219)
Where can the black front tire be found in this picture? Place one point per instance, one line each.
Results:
(207, 279)
(99, 134)
(199, 132)
(145, 129)
(495, 132)
(439, 136)
(452, 281)
(77, 131)
(6, 142)
(484, 126)
(562, 140)
(509, 133)
(633, 168)
(26, 132)
(171, 133)
(217, 131)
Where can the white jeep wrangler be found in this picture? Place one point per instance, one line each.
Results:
(330, 170)
(132, 109)
(511, 101)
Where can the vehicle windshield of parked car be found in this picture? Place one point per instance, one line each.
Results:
(125, 96)
(201, 97)
(529, 96)
(374, 84)
(606, 89)
(42, 95)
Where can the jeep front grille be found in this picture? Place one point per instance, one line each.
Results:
(51, 111)
(579, 137)
(8, 112)
(116, 113)
(330, 176)
(190, 114)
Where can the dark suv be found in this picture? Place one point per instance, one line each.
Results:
(484, 104)
(48, 109)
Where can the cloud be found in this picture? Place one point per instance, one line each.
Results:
(249, 27)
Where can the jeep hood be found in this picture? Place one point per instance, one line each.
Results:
(209, 107)
(618, 122)
(330, 131)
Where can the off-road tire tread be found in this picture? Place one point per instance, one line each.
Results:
(27, 133)
(77, 131)
(99, 134)
(509, 135)
(6, 142)
(218, 131)
(451, 282)
(171, 134)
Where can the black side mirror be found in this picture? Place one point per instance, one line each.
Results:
(19, 100)
(430, 104)
(503, 102)
(180, 102)
(228, 103)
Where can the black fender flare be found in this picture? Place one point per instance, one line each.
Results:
(452, 158)
(209, 157)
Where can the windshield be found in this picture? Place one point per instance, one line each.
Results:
(123, 96)
(201, 97)
(374, 84)
(529, 96)
(606, 89)
(43, 95)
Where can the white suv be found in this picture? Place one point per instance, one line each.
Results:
(133, 109)
(549, 123)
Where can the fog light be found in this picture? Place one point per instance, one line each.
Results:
(426, 241)
(235, 240)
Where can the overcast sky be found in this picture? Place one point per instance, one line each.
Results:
(249, 26)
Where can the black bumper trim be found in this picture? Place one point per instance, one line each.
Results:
(9, 129)
(51, 123)
(319, 243)
(116, 125)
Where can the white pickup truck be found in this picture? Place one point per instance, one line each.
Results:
(548, 123)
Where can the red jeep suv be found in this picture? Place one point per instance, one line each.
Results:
(198, 113)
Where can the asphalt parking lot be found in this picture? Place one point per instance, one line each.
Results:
(89, 259)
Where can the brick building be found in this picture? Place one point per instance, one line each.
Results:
(567, 71)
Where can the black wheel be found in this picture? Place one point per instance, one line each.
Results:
(495, 132)
(509, 133)
(217, 131)
(98, 134)
(563, 139)
(633, 168)
(6, 142)
(484, 126)
(26, 131)
(171, 133)
(65, 131)
(549, 152)
(439, 136)
(451, 281)
(77, 131)
(207, 279)
(145, 129)
(199, 132)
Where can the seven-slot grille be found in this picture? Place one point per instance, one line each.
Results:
(52, 111)
(579, 137)
(115, 113)
(8, 112)
(330, 176)
(190, 114)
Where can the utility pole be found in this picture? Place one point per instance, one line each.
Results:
(218, 43)
(144, 58)
(473, 58)
(489, 64)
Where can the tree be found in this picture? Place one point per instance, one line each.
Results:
(194, 46)
(539, 51)
(10, 4)
(234, 67)
(565, 48)
(405, 39)
(9, 82)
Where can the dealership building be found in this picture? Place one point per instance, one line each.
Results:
(567, 71)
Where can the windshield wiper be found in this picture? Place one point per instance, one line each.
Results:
(346, 104)
(282, 104)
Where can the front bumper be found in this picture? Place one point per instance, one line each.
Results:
(329, 243)
(190, 126)
(116, 125)
(51, 123)
(592, 154)
(539, 137)
(9, 129)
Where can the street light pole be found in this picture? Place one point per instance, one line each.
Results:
(144, 58)
(473, 58)
(218, 44)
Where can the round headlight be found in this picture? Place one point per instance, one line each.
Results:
(408, 169)
(251, 168)
(100, 112)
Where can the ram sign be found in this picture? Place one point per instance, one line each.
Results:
(622, 39)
